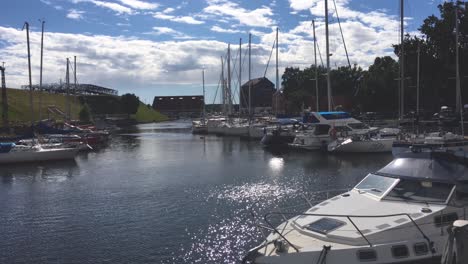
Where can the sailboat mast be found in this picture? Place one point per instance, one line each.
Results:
(277, 72)
(417, 79)
(250, 72)
(402, 61)
(459, 107)
(4, 98)
(328, 57)
(229, 80)
(316, 69)
(240, 73)
(74, 83)
(40, 72)
(223, 85)
(67, 80)
(26, 24)
(204, 106)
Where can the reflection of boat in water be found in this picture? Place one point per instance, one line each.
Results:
(11, 153)
(396, 215)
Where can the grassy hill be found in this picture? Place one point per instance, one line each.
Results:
(19, 107)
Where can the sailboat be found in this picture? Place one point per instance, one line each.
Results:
(440, 140)
(12, 153)
(199, 126)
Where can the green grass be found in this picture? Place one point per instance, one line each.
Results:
(147, 114)
(19, 106)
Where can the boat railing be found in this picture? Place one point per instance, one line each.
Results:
(309, 202)
(349, 217)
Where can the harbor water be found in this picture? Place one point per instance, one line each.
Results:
(158, 194)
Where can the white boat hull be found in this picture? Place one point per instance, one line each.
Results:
(364, 146)
(236, 131)
(38, 155)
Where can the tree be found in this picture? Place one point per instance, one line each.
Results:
(130, 103)
(85, 113)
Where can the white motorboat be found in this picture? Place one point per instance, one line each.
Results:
(381, 141)
(360, 144)
(398, 214)
(436, 140)
(11, 153)
(326, 127)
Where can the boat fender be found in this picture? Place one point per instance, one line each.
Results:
(281, 246)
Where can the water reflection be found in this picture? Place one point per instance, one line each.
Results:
(276, 164)
(56, 171)
(158, 194)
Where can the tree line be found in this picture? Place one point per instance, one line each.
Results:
(377, 88)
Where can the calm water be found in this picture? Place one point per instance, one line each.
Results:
(158, 194)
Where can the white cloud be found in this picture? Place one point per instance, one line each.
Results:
(260, 17)
(179, 19)
(120, 9)
(300, 4)
(75, 14)
(168, 10)
(224, 30)
(136, 4)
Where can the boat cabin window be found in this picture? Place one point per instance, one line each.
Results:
(461, 195)
(420, 191)
(358, 126)
(375, 184)
(367, 255)
(321, 129)
(400, 251)
(342, 129)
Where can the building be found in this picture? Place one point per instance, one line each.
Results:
(179, 106)
(261, 95)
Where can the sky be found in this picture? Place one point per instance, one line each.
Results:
(155, 48)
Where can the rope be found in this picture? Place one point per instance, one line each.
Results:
(268, 63)
(341, 31)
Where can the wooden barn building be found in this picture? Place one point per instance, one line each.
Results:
(179, 106)
(261, 95)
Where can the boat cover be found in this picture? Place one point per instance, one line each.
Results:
(6, 147)
(430, 166)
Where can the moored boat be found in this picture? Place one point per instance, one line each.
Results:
(18, 154)
(398, 214)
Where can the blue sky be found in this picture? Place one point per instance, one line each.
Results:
(160, 47)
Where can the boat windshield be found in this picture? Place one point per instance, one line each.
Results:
(420, 191)
(358, 126)
(375, 184)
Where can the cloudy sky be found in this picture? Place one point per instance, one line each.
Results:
(151, 48)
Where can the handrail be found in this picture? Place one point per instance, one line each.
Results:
(430, 243)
